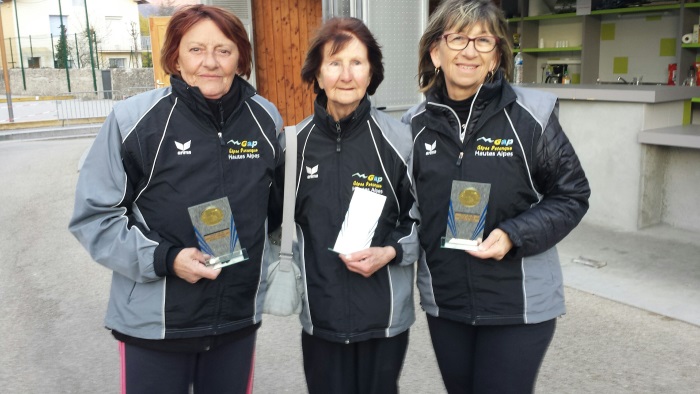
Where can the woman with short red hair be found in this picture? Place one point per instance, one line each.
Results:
(182, 323)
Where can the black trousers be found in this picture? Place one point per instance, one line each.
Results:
(366, 367)
(489, 359)
(227, 368)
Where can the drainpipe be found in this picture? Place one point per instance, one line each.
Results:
(6, 73)
(19, 44)
(92, 62)
(64, 40)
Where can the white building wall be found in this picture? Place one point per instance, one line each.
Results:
(111, 21)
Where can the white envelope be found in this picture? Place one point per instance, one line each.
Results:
(360, 221)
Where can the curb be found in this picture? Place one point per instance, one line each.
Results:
(83, 130)
(37, 98)
(48, 123)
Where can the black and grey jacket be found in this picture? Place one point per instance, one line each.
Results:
(157, 154)
(539, 193)
(369, 150)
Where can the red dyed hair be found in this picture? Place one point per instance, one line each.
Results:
(229, 24)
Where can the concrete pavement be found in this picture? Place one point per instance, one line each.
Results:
(602, 345)
(630, 328)
(38, 111)
(656, 269)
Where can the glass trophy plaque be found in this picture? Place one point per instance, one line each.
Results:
(216, 233)
(466, 215)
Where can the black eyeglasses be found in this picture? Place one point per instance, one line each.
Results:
(458, 41)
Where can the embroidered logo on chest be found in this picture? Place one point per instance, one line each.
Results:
(489, 147)
(312, 172)
(183, 148)
(370, 182)
(431, 149)
(243, 150)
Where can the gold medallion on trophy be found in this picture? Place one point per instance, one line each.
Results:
(212, 216)
(469, 197)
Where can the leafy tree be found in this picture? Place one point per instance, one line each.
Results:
(167, 8)
(63, 49)
(163, 8)
(144, 26)
(146, 59)
(146, 56)
(84, 49)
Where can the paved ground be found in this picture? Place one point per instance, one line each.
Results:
(657, 269)
(54, 298)
(73, 105)
(29, 111)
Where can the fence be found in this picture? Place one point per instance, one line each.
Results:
(51, 82)
(39, 54)
(67, 106)
(80, 105)
(42, 51)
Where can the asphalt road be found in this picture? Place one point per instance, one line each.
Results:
(53, 299)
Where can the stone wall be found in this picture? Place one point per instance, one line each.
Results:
(52, 82)
(130, 81)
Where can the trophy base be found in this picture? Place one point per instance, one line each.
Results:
(460, 244)
(225, 260)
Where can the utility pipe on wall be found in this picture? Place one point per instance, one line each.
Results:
(19, 44)
(89, 38)
(64, 42)
(5, 72)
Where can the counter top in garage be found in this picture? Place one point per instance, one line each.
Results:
(619, 92)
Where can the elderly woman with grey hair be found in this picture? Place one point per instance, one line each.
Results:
(359, 300)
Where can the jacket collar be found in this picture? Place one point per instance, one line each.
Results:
(347, 124)
(490, 98)
(232, 101)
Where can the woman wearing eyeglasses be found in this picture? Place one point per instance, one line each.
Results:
(491, 311)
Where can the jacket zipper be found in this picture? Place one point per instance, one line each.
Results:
(459, 159)
(459, 127)
(337, 139)
(470, 283)
(340, 199)
(221, 123)
(461, 155)
(220, 132)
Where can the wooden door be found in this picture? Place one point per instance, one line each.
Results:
(282, 31)
(157, 26)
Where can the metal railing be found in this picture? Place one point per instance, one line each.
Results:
(80, 105)
(145, 43)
